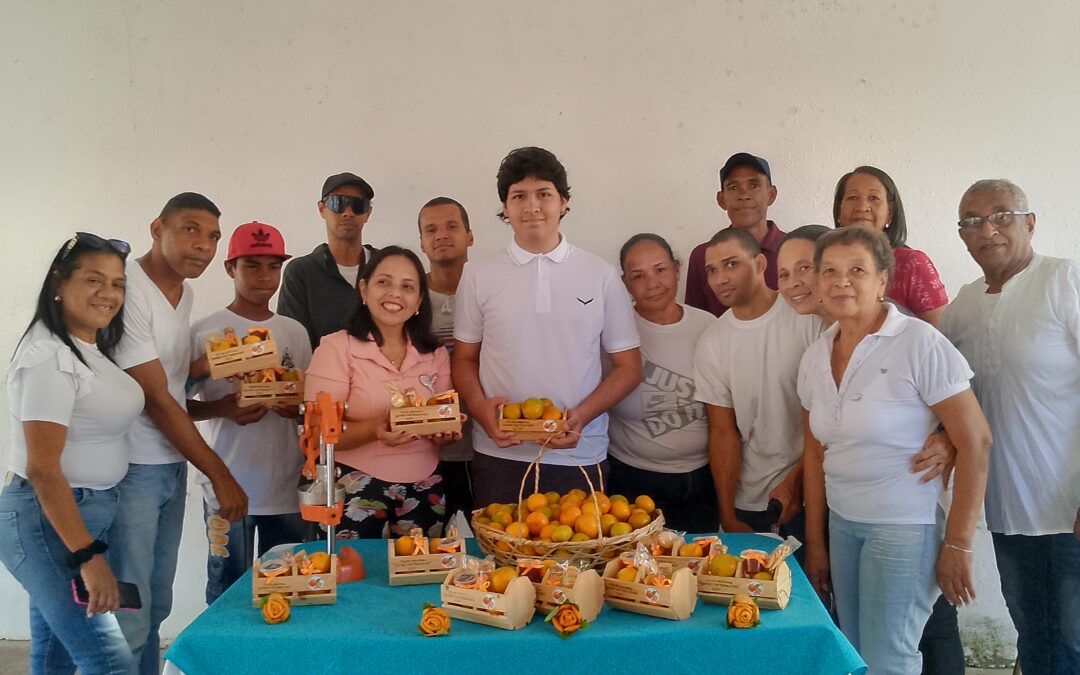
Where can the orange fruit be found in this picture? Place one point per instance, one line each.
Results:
(320, 560)
(723, 565)
(579, 493)
(403, 545)
(528, 550)
(497, 526)
(627, 574)
(638, 519)
(550, 412)
(605, 503)
(763, 576)
(502, 517)
(552, 497)
(532, 408)
(546, 401)
(606, 522)
(581, 536)
(502, 546)
(645, 503)
(536, 501)
(588, 524)
(620, 509)
(619, 529)
(501, 578)
(562, 533)
(569, 515)
(553, 511)
(490, 509)
(536, 521)
(589, 506)
(546, 532)
(690, 551)
(511, 411)
(517, 529)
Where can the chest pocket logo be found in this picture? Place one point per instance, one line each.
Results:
(585, 303)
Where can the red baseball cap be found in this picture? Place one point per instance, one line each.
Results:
(256, 238)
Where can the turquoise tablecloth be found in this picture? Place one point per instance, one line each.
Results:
(372, 628)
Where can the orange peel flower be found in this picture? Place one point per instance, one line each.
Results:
(434, 621)
(566, 618)
(743, 612)
(275, 608)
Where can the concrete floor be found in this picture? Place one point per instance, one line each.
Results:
(13, 655)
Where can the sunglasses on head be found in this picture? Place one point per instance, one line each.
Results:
(94, 241)
(338, 203)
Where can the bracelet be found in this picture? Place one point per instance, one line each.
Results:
(962, 550)
(76, 559)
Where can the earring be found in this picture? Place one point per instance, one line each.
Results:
(417, 313)
(56, 298)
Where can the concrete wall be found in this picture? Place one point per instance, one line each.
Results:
(109, 108)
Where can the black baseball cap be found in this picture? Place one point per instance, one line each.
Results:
(337, 180)
(745, 159)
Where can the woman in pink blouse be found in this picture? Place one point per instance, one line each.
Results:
(390, 477)
(867, 197)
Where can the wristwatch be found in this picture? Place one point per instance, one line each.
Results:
(76, 559)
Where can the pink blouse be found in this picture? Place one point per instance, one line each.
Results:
(355, 371)
(915, 284)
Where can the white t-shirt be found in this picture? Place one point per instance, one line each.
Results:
(1024, 346)
(879, 417)
(97, 402)
(350, 273)
(154, 329)
(752, 367)
(543, 319)
(263, 457)
(442, 326)
(659, 426)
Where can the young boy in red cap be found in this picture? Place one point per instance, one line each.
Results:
(258, 442)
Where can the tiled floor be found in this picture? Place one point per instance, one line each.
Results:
(13, 660)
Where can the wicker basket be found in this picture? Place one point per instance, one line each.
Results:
(595, 552)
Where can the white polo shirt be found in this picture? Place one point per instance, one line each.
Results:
(753, 367)
(154, 329)
(543, 319)
(1024, 345)
(879, 417)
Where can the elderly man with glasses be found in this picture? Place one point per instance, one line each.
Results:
(319, 289)
(1019, 328)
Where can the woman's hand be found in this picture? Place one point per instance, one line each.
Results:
(448, 437)
(393, 438)
(938, 455)
(954, 575)
(104, 594)
(817, 570)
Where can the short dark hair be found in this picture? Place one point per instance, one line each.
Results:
(810, 233)
(189, 200)
(875, 242)
(443, 201)
(49, 312)
(531, 162)
(417, 327)
(745, 239)
(640, 237)
(896, 230)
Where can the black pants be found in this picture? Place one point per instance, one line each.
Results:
(688, 500)
(942, 652)
(457, 486)
(499, 480)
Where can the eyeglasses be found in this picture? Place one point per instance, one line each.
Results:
(92, 240)
(998, 219)
(338, 203)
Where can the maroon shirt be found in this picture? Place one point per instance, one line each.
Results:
(698, 293)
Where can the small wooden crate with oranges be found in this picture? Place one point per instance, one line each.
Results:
(466, 597)
(767, 579)
(534, 419)
(561, 583)
(428, 561)
(669, 547)
(667, 593)
(303, 578)
(440, 414)
(228, 355)
(273, 386)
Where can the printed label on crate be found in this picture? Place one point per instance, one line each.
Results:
(652, 595)
(289, 387)
(559, 596)
(448, 561)
(488, 601)
(446, 411)
(257, 348)
(316, 583)
(550, 426)
(754, 588)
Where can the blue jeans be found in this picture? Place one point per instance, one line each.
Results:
(63, 638)
(232, 545)
(144, 541)
(1040, 579)
(885, 585)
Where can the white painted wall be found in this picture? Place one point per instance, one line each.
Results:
(109, 108)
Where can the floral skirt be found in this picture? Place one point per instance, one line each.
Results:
(371, 504)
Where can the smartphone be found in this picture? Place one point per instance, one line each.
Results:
(129, 593)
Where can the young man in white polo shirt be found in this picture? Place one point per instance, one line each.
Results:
(746, 369)
(145, 535)
(531, 322)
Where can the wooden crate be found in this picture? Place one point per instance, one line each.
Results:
(674, 602)
(678, 561)
(243, 359)
(286, 393)
(300, 589)
(583, 588)
(408, 570)
(768, 594)
(532, 430)
(426, 420)
(510, 610)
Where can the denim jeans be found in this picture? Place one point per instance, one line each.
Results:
(63, 638)
(1040, 579)
(232, 545)
(144, 541)
(885, 585)
(688, 500)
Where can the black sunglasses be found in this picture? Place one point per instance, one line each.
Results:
(94, 241)
(338, 203)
